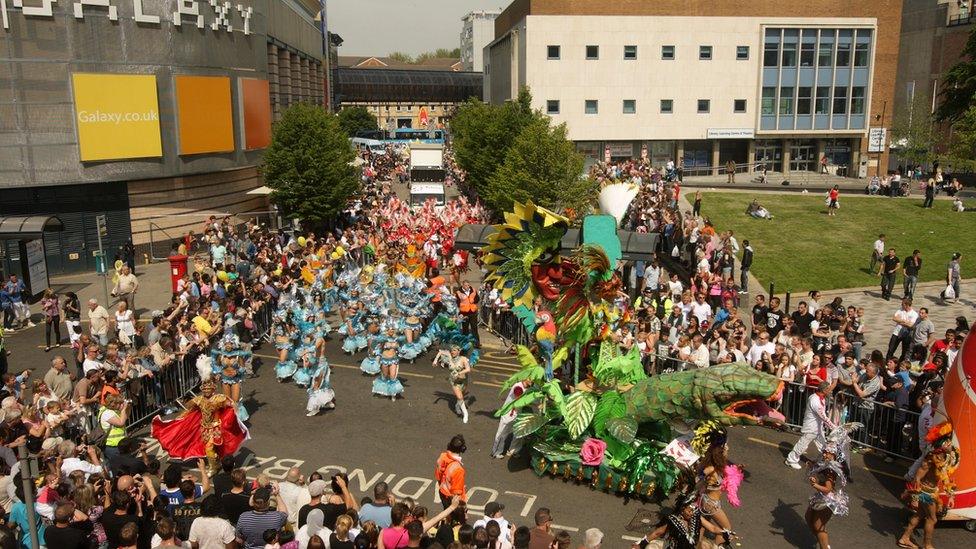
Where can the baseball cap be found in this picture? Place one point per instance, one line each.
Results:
(316, 488)
(492, 508)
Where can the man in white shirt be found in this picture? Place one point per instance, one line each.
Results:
(493, 512)
(209, 531)
(699, 351)
(91, 360)
(126, 288)
(70, 462)
(760, 346)
(904, 320)
(675, 288)
(98, 319)
(701, 309)
(814, 421)
(295, 494)
(877, 251)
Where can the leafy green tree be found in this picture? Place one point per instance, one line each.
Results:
(309, 164)
(962, 145)
(542, 166)
(401, 57)
(354, 119)
(959, 84)
(483, 133)
(913, 132)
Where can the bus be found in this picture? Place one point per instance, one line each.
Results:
(411, 135)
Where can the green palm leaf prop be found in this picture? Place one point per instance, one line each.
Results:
(526, 424)
(611, 406)
(623, 429)
(578, 413)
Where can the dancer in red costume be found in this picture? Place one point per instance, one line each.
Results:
(208, 428)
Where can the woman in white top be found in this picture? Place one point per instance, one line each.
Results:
(125, 323)
(314, 526)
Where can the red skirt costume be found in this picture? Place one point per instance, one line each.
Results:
(186, 437)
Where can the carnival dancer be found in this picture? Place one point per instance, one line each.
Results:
(506, 424)
(320, 393)
(715, 474)
(924, 493)
(388, 384)
(828, 481)
(284, 333)
(458, 368)
(682, 528)
(371, 364)
(306, 361)
(228, 364)
(208, 428)
(815, 425)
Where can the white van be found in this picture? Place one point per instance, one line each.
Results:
(421, 192)
(375, 146)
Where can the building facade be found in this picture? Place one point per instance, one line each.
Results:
(405, 95)
(152, 113)
(706, 82)
(477, 31)
(933, 36)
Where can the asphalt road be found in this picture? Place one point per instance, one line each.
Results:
(374, 439)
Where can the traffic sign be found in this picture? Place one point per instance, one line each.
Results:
(99, 263)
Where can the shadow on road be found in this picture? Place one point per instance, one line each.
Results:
(788, 522)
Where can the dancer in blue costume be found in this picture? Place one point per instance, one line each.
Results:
(353, 329)
(306, 361)
(284, 333)
(320, 393)
(228, 364)
(388, 384)
(371, 364)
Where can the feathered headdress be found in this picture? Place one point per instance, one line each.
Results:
(939, 434)
(708, 434)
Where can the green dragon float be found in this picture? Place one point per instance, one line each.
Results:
(608, 429)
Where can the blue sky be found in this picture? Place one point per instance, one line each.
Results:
(378, 27)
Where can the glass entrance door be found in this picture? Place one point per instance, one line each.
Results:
(769, 153)
(803, 156)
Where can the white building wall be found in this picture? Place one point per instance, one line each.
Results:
(478, 30)
(573, 79)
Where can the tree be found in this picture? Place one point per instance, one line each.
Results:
(401, 57)
(913, 132)
(962, 145)
(354, 119)
(483, 133)
(959, 84)
(542, 166)
(309, 164)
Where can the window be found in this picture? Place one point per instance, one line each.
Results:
(552, 106)
(739, 105)
(591, 106)
(771, 55)
(630, 52)
(857, 100)
(861, 55)
(667, 53)
(704, 105)
(789, 54)
(826, 56)
(803, 100)
(806, 54)
(667, 106)
(840, 99)
(741, 53)
(705, 53)
(769, 101)
(844, 54)
(786, 100)
(592, 52)
(630, 106)
(552, 52)
(822, 105)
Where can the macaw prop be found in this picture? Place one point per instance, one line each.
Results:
(617, 404)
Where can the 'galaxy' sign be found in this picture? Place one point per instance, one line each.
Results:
(187, 11)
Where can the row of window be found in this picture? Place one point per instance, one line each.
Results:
(554, 52)
(592, 106)
(817, 47)
(803, 101)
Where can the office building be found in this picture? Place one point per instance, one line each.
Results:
(477, 30)
(781, 83)
(151, 113)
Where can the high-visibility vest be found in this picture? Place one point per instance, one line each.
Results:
(114, 434)
(467, 303)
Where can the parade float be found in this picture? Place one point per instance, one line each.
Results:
(608, 428)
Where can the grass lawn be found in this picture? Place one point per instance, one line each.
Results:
(803, 249)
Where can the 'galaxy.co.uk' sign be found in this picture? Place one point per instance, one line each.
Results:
(187, 11)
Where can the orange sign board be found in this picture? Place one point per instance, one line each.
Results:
(206, 120)
(256, 112)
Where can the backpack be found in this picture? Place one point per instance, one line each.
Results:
(98, 436)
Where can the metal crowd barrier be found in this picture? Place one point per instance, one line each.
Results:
(504, 324)
(151, 396)
(886, 429)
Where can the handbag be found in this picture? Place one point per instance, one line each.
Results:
(949, 292)
(675, 252)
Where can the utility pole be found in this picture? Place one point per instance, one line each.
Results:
(28, 472)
